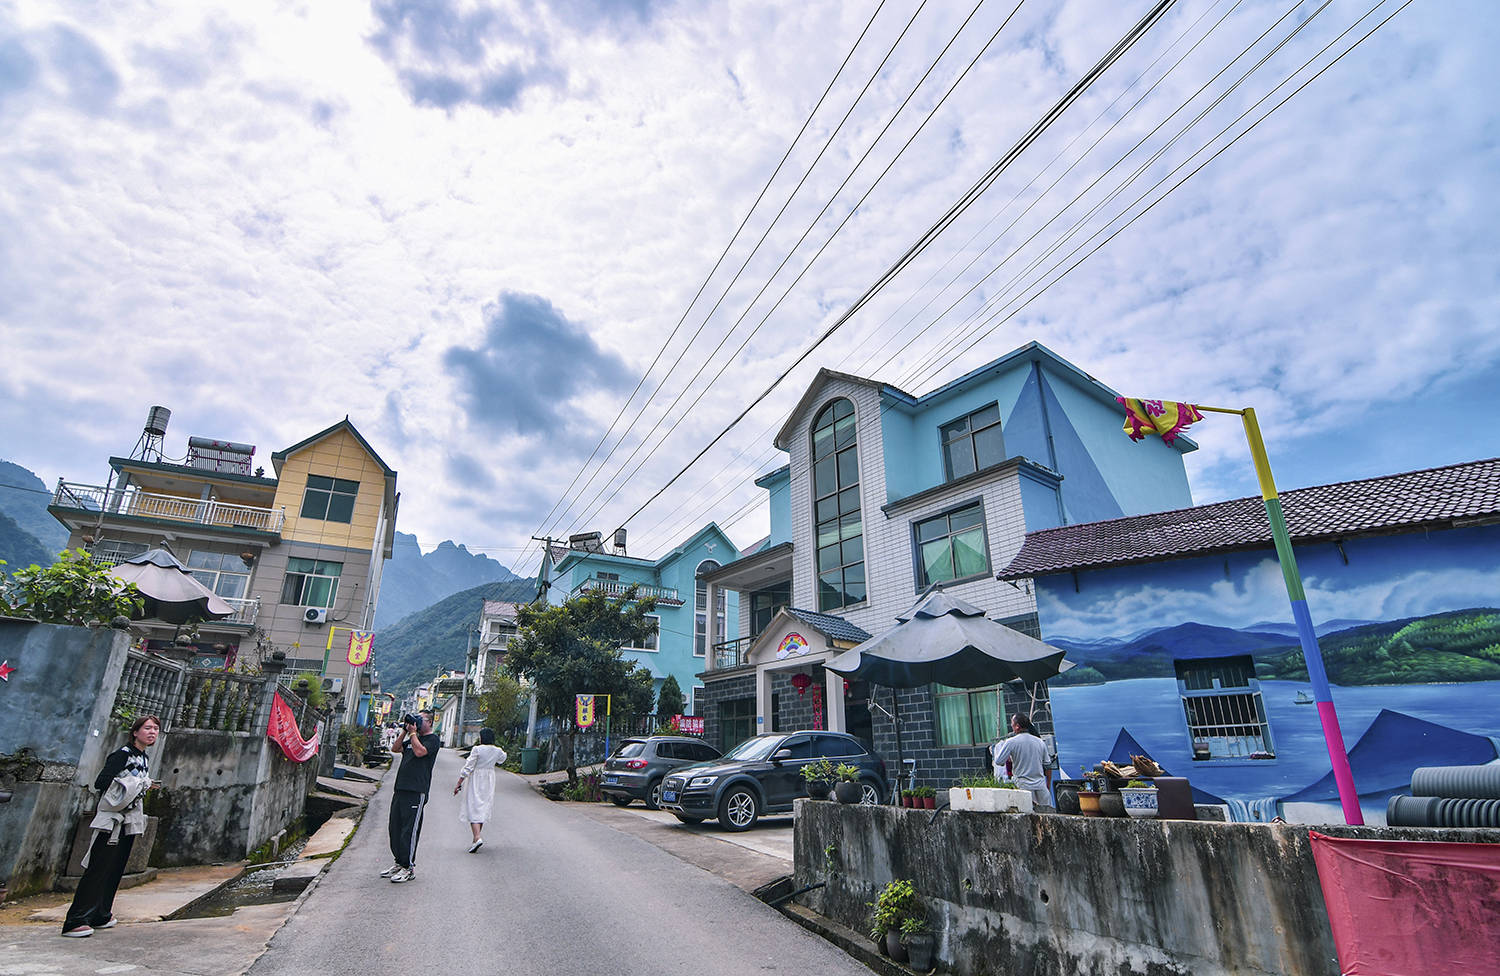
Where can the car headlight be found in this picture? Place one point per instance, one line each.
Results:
(698, 781)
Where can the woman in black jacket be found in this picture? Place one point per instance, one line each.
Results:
(93, 903)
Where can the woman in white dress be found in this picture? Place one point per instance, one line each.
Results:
(475, 808)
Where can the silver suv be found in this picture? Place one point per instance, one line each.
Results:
(636, 769)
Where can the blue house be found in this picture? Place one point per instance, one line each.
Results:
(885, 495)
(686, 628)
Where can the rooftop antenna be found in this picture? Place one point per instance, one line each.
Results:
(148, 448)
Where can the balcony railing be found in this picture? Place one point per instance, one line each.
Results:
(616, 589)
(732, 653)
(145, 504)
(245, 610)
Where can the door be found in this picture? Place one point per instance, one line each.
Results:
(784, 783)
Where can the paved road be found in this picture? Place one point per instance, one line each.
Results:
(556, 889)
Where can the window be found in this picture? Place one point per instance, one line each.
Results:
(223, 572)
(968, 716)
(1226, 717)
(836, 506)
(653, 640)
(736, 721)
(700, 605)
(329, 499)
(765, 603)
(607, 576)
(952, 546)
(836, 747)
(310, 582)
(972, 443)
(800, 746)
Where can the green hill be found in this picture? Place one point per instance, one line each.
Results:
(1461, 645)
(418, 646)
(20, 548)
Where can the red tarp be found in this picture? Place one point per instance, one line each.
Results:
(284, 732)
(1411, 908)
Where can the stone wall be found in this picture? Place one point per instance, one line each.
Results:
(1028, 895)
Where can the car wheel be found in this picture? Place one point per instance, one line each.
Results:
(690, 821)
(739, 809)
(620, 801)
(869, 792)
(653, 795)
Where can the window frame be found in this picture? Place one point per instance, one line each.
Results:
(919, 565)
(700, 610)
(301, 594)
(944, 443)
(213, 577)
(657, 641)
(336, 487)
(940, 692)
(851, 519)
(1249, 692)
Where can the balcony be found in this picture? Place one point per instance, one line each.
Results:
(732, 653)
(172, 508)
(665, 596)
(245, 611)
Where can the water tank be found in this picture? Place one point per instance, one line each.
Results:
(156, 421)
(619, 540)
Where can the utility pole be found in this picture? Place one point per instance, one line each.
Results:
(463, 688)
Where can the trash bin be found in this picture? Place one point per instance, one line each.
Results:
(531, 761)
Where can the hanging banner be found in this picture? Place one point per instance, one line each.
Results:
(586, 714)
(283, 731)
(360, 643)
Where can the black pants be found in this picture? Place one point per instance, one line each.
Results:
(406, 825)
(94, 902)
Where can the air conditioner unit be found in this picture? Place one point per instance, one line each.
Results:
(333, 686)
(315, 615)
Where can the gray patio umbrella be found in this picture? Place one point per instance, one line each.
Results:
(170, 592)
(946, 641)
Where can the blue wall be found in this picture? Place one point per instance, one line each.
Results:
(779, 485)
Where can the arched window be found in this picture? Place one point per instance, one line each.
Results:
(839, 532)
(700, 608)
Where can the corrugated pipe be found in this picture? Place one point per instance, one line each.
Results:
(1468, 782)
(1433, 811)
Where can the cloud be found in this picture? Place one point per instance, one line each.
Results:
(529, 368)
(91, 81)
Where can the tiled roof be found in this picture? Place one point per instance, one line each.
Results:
(836, 627)
(500, 608)
(1433, 498)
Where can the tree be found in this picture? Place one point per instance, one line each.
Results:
(73, 590)
(669, 701)
(500, 705)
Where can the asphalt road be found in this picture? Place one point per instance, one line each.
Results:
(556, 889)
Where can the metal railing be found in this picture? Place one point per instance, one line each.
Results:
(145, 504)
(732, 653)
(246, 610)
(617, 589)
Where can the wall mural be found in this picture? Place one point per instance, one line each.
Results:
(1196, 662)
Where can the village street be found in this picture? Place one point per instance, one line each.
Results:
(556, 889)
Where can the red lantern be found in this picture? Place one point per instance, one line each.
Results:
(801, 682)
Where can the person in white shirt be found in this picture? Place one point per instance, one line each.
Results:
(1027, 755)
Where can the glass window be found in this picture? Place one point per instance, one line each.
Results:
(836, 747)
(652, 641)
(700, 606)
(310, 582)
(968, 716)
(329, 499)
(632, 747)
(836, 508)
(800, 746)
(765, 603)
(223, 572)
(972, 443)
(1226, 716)
(951, 546)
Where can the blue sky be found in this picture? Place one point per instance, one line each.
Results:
(471, 227)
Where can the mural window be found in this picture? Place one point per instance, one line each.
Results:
(952, 546)
(836, 508)
(329, 499)
(765, 603)
(700, 610)
(653, 640)
(973, 443)
(1226, 717)
(310, 582)
(223, 572)
(968, 716)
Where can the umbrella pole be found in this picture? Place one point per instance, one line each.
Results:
(900, 760)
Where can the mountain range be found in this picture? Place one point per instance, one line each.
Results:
(28, 534)
(413, 580)
(434, 639)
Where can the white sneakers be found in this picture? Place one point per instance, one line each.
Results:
(476, 845)
(108, 925)
(390, 870)
(403, 875)
(81, 932)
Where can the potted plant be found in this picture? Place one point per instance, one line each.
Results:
(907, 796)
(896, 903)
(819, 778)
(926, 797)
(1140, 798)
(847, 789)
(985, 792)
(1088, 797)
(916, 936)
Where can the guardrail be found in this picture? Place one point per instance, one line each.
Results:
(617, 589)
(146, 504)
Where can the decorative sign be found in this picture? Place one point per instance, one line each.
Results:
(283, 731)
(688, 724)
(792, 644)
(360, 642)
(586, 714)
(6, 671)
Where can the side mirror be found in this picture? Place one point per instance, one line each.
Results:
(781, 754)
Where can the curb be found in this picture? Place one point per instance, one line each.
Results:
(845, 938)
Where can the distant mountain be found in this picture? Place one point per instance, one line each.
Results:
(24, 498)
(412, 581)
(19, 548)
(1152, 654)
(417, 647)
(1322, 629)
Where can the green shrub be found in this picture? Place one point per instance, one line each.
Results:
(896, 903)
(74, 590)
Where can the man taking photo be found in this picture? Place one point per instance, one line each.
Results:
(417, 746)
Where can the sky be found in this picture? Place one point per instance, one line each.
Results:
(486, 231)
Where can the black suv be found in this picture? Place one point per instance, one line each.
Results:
(763, 775)
(636, 769)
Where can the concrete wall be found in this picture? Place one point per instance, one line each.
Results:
(1029, 895)
(54, 734)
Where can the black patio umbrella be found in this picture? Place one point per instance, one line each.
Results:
(169, 591)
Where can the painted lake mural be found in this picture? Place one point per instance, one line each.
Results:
(1197, 663)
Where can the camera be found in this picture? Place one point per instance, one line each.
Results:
(411, 719)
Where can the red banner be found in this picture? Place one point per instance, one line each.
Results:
(284, 732)
(688, 724)
(1410, 908)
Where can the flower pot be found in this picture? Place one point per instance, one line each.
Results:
(893, 946)
(817, 789)
(919, 951)
(1140, 801)
(848, 792)
(928, 802)
(1111, 804)
(1067, 795)
(906, 801)
(1088, 803)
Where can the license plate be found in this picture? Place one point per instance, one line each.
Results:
(611, 780)
(669, 795)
